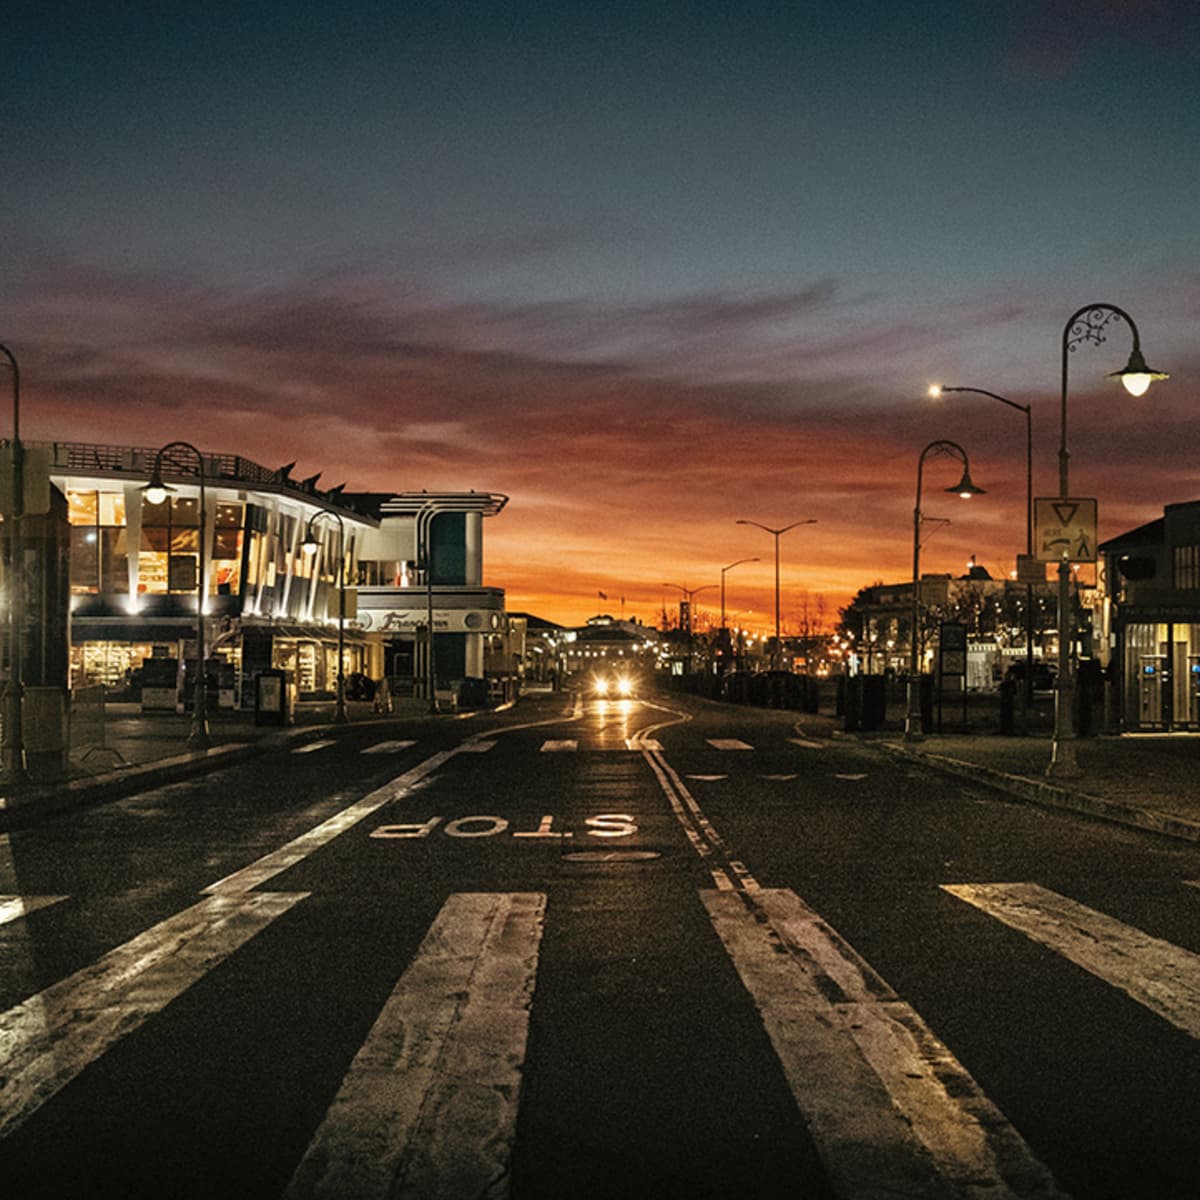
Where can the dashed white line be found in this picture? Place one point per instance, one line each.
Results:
(559, 746)
(309, 747)
(388, 747)
(728, 744)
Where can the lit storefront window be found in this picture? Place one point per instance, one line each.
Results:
(99, 549)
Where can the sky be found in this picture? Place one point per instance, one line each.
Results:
(648, 269)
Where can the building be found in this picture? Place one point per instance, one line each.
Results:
(410, 562)
(1149, 619)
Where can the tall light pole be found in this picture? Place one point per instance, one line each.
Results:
(156, 492)
(730, 568)
(937, 390)
(966, 489)
(691, 594)
(14, 718)
(1088, 324)
(777, 657)
(310, 546)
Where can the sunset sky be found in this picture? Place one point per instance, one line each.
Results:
(647, 268)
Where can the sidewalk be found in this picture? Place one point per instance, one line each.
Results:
(151, 749)
(1148, 781)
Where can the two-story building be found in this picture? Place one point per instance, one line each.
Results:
(411, 562)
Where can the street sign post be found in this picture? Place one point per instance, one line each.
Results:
(1065, 529)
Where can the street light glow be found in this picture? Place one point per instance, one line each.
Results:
(935, 390)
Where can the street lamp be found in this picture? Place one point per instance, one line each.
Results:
(1088, 324)
(14, 732)
(965, 489)
(936, 390)
(310, 547)
(691, 594)
(156, 492)
(730, 568)
(777, 657)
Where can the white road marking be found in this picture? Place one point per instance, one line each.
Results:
(474, 747)
(637, 742)
(865, 1069)
(300, 848)
(807, 743)
(557, 746)
(50, 1038)
(309, 747)
(428, 1107)
(779, 778)
(1163, 977)
(852, 778)
(708, 778)
(728, 744)
(388, 747)
(13, 908)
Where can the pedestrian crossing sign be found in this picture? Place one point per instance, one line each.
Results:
(1065, 529)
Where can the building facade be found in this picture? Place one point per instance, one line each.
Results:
(1150, 620)
(271, 599)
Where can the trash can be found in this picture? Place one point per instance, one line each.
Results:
(274, 697)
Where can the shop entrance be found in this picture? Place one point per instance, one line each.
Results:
(1162, 676)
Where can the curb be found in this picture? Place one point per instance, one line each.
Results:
(39, 801)
(1050, 795)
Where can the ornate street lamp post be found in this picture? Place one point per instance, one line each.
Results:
(156, 492)
(777, 657)
(937, 390)
(1089, 324)
(14, 718)
(966, 489)
(310, 546)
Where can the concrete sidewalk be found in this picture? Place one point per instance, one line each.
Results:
(150, 749)
(1147, 781)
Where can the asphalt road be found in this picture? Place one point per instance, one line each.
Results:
(595, 949)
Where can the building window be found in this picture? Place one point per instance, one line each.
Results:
(99, 551)
(1187, 567)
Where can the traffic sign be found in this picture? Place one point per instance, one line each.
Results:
(1065, 529)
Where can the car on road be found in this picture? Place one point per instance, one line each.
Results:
(614, 685)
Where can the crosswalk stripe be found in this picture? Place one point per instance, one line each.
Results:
(428, 1107)
(552, 747)
(807, 743)
(13, 908)
(309, 747)
(388, 747)
(864, 1068)
(50, 1038)
(1163, 977)
(270, 865)
(728, 744)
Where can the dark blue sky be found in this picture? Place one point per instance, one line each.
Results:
(611, 255)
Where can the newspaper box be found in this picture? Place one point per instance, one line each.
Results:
(274, 697)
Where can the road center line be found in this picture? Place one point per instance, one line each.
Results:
(891, 1110)
(47, 1040)
(428, 1107)
(1157, 974)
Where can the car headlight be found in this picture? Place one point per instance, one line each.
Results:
(624, 687)
(600, 687)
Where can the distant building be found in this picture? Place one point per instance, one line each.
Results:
(1150, 619)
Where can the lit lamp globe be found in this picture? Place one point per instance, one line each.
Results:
(1136, 376)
